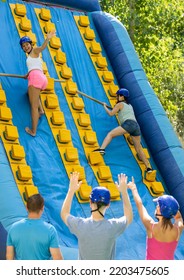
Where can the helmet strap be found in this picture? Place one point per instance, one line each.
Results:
(98, 211)
(158, 215)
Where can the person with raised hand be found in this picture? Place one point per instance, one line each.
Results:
(37, 81)
(97, 235)
(163, 235)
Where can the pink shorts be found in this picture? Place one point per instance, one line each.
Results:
(37, 79)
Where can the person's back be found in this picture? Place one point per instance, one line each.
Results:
(161, 244)
(126, 113)
(32, 239)
(162, 237)
(96, 239)
(97, 235)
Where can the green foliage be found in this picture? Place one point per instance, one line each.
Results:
(156, 28)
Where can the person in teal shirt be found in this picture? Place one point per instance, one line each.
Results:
(32, 238)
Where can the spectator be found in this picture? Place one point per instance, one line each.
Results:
(32, 238)
(162, 236)
(97, 235)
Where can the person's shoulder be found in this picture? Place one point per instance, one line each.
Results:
(119, 105)
(120, 220)
(46, 224)
(18, 224)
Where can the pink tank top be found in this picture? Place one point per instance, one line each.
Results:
(157, 250)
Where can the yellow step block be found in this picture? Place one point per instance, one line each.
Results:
(101, 62)
(114, 193)
(60, 57)
(45, 69)
(49, 26)
(71, 87)
(2, 96)
(45, 14)
(150, 177)
(95, 48)
(157, 188)
(89, 34)
(112, 90)
(104, 172)
(108, 76)
(24, 173)
(84, 120)
(25, 24)
(83, 21)
(90, 137)
(11, 133)
(80, 170)
(30, 190)
(65, 72)
(64, 136)
(17, 152)
(50, 85)
(84, 192)
(71, 154)
(32, 36)
(20, 9)
(77, 103)
(95, 158)
(57, 118)
(55, 42)
(52, 101)
(5, 113)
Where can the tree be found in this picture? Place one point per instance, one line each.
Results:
(156, 28)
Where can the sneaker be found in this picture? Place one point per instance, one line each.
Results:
(101, 151)
(149, 170)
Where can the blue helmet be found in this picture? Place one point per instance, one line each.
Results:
(100, 194)
(123, 92)
(168, 205)
(25, 39)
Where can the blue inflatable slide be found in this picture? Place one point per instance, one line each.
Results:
(49, 173)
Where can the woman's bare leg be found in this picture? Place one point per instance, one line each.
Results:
(118, 131)
(40, 108)
(34, 95)
(139, 150)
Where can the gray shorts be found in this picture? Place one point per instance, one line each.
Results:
(132, 127)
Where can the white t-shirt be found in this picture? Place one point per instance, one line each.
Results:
(34, 63)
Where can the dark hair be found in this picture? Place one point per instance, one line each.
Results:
(101, 204)
(125, 99)
(166, 222)
(35, 203)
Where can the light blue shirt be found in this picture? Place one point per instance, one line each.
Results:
(32, 238)
(127, 113)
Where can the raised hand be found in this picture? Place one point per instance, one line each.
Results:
(74, 181)
(122, 182)
(51, 34)
(131, 185)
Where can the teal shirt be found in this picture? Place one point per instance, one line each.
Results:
(127, 113)
(32, 238)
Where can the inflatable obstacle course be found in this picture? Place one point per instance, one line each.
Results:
(108, 82)
(15, 152)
